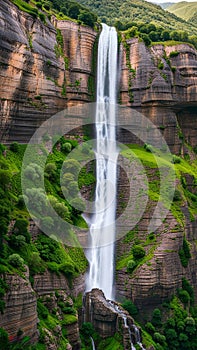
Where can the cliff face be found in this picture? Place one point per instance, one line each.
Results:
(161, 83)
(34, 76)
(21, 305)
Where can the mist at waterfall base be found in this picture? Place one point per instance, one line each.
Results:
(102, 226)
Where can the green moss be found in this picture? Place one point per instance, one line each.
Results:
(114, 343)
(69, 319)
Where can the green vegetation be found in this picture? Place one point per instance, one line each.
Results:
(125, 12)
(153, 34)
(172, 326)
(46, 8)
(185, 10)
(184, 253)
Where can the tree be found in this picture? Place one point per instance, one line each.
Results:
(174, 35)
(184, 296)
(50, 170)
(87, 329)
(4, 339)
(87, 18)
(156, 318)
(165, 35)
(16, 260)
(14, 147)
(130, 307)
(74, 10)
(66, 147)
(131, 265)
(138, 252)
(146, 39)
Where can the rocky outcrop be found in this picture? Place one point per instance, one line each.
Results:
(80, 48)
(161, 275)
(35, 79)
(20, 312)
(161, 83)
(109, 318)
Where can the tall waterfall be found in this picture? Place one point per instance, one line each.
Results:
(102, 227)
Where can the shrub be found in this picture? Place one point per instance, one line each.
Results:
(184, 253)
(131, 265)
(87, 18)
(159, 337)
(130, 307)
(78, 205)
(87, 329)
(51, 169)
(21, 201)
(14, 147)
(71, 166)
(187, 286)
(67, 268)
(4, 339)
(148, 148)
(138, 252)
(146, 39)
(20, 228)
(42, 17)
(149, 327)
(177, 195)
(39, 5)
(2, 148)
(175, 159)
(5, 178)
(156, 318)
(183, 296)
(16, 260)
(174, 54)
(66, 147)
(17, 241)
(160, 65)
(42, 310)
(33, 172)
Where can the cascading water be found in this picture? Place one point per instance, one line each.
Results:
(102, 227)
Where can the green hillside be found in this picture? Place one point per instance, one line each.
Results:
(185, 10)
(139, 11)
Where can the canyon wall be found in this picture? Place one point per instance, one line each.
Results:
(38, 78)
(161, 83)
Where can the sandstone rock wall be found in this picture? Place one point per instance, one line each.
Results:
(161, 275)
(161, 87)
(34, 80)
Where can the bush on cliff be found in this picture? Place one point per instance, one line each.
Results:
(138, 252)
(4, 342)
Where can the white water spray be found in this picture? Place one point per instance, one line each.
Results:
(102, 227)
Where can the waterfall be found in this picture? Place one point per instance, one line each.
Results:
(93, 346)
(102, 226)
(138, 337)
(124, 317)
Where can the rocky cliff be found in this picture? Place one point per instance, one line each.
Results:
(20, 317)
(38, 76)
(161, 83)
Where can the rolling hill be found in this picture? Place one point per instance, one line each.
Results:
(185, 10)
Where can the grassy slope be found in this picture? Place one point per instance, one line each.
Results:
(185, 10)
(137, 10)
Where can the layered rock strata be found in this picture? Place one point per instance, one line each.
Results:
(37, 79)
(161, 83)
